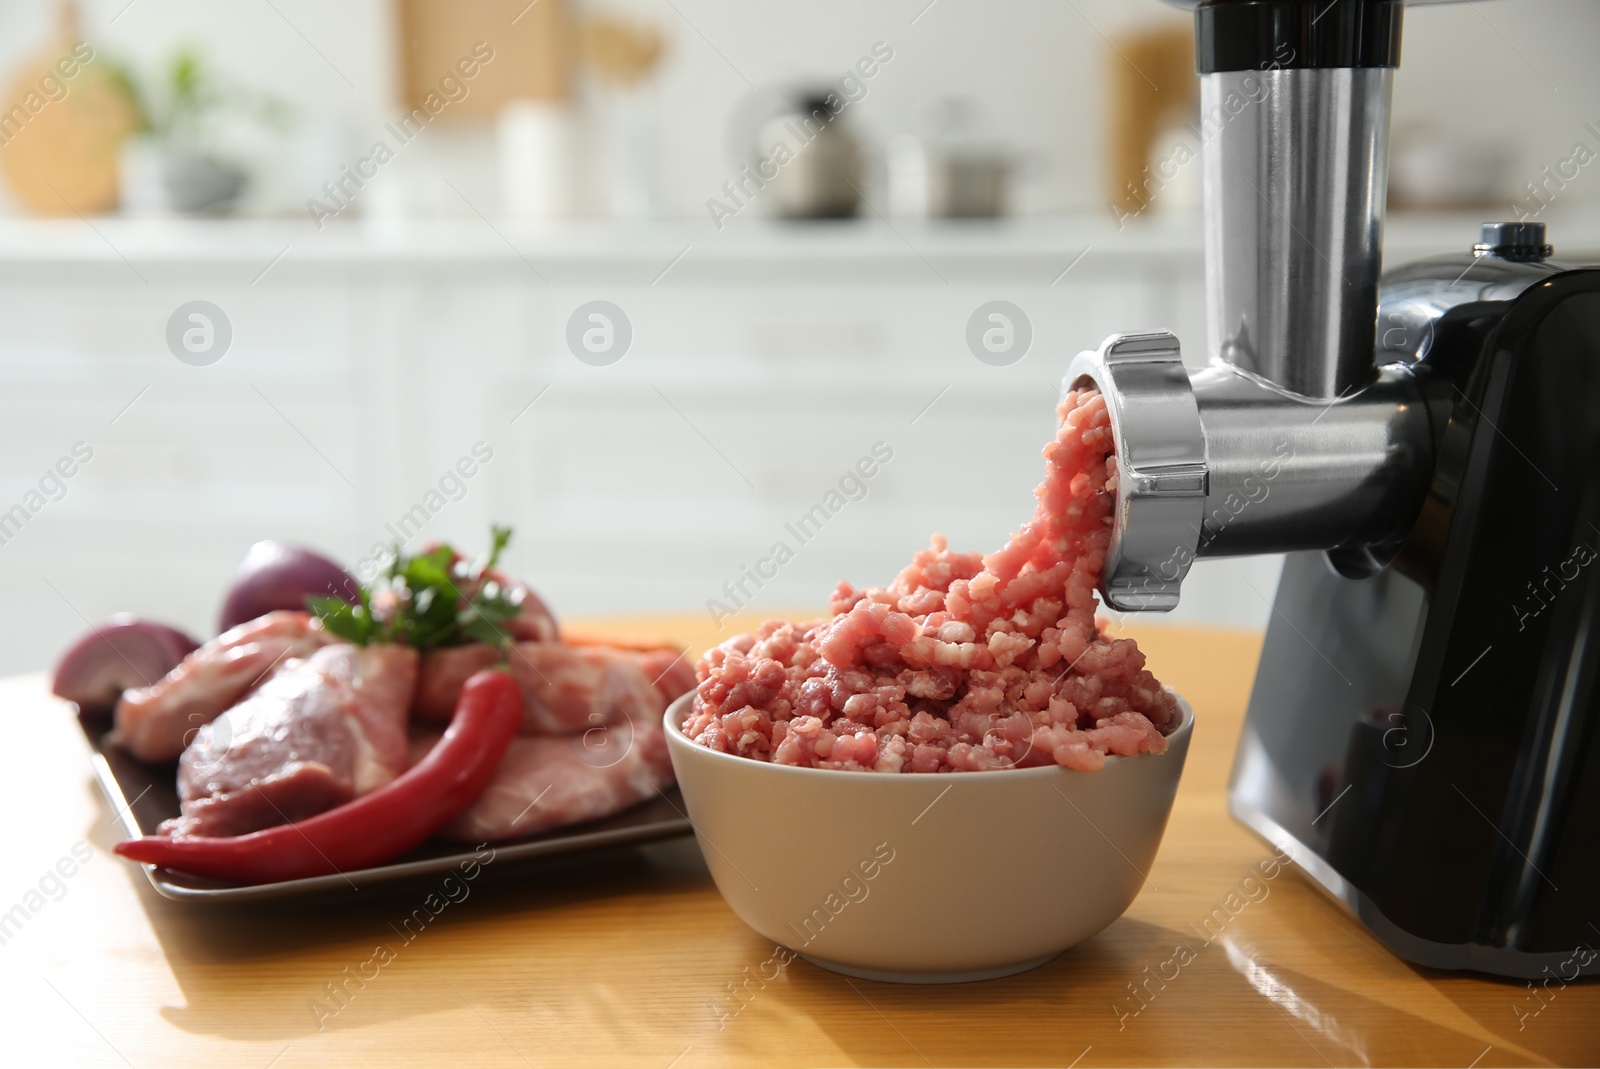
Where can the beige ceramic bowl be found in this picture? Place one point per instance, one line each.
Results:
(927, 879)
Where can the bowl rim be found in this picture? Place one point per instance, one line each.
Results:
(672, 723)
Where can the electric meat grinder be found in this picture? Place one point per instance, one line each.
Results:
(1424, 730)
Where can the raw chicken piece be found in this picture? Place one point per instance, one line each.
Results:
(564, 688)
(319, 732)
(549, 781)
(155, 723)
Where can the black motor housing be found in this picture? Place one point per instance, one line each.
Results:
(1426, 739)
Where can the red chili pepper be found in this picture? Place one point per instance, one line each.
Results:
(375, 827)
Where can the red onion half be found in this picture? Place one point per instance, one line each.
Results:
(276, 575)
(122, 653)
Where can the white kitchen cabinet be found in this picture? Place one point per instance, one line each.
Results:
(765, 361)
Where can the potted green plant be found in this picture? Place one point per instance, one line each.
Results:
(181, 160)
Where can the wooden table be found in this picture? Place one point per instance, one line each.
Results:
(629, 959)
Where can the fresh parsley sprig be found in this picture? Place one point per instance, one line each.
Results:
(351, 622)
(428, 600)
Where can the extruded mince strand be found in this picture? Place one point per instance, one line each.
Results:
(965, 662)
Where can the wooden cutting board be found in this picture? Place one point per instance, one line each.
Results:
(530, 42)
(63, 119)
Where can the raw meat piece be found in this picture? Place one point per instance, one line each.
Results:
(668, 664)
(535, 622)
(549, 781)
(564, 688)
(965, 662)
(319, 732)
(155, 723)
(672, 672)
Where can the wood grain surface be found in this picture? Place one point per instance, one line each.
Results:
(633, 959)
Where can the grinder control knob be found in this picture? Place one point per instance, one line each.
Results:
(1513, 241)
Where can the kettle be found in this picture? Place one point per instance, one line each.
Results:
(808, 157)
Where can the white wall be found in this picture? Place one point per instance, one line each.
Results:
(1518, 71)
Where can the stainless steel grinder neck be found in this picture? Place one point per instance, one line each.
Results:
(1293, 438)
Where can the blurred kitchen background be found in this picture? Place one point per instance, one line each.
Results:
(288, 269)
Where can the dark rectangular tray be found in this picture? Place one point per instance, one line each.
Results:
(143, 795)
